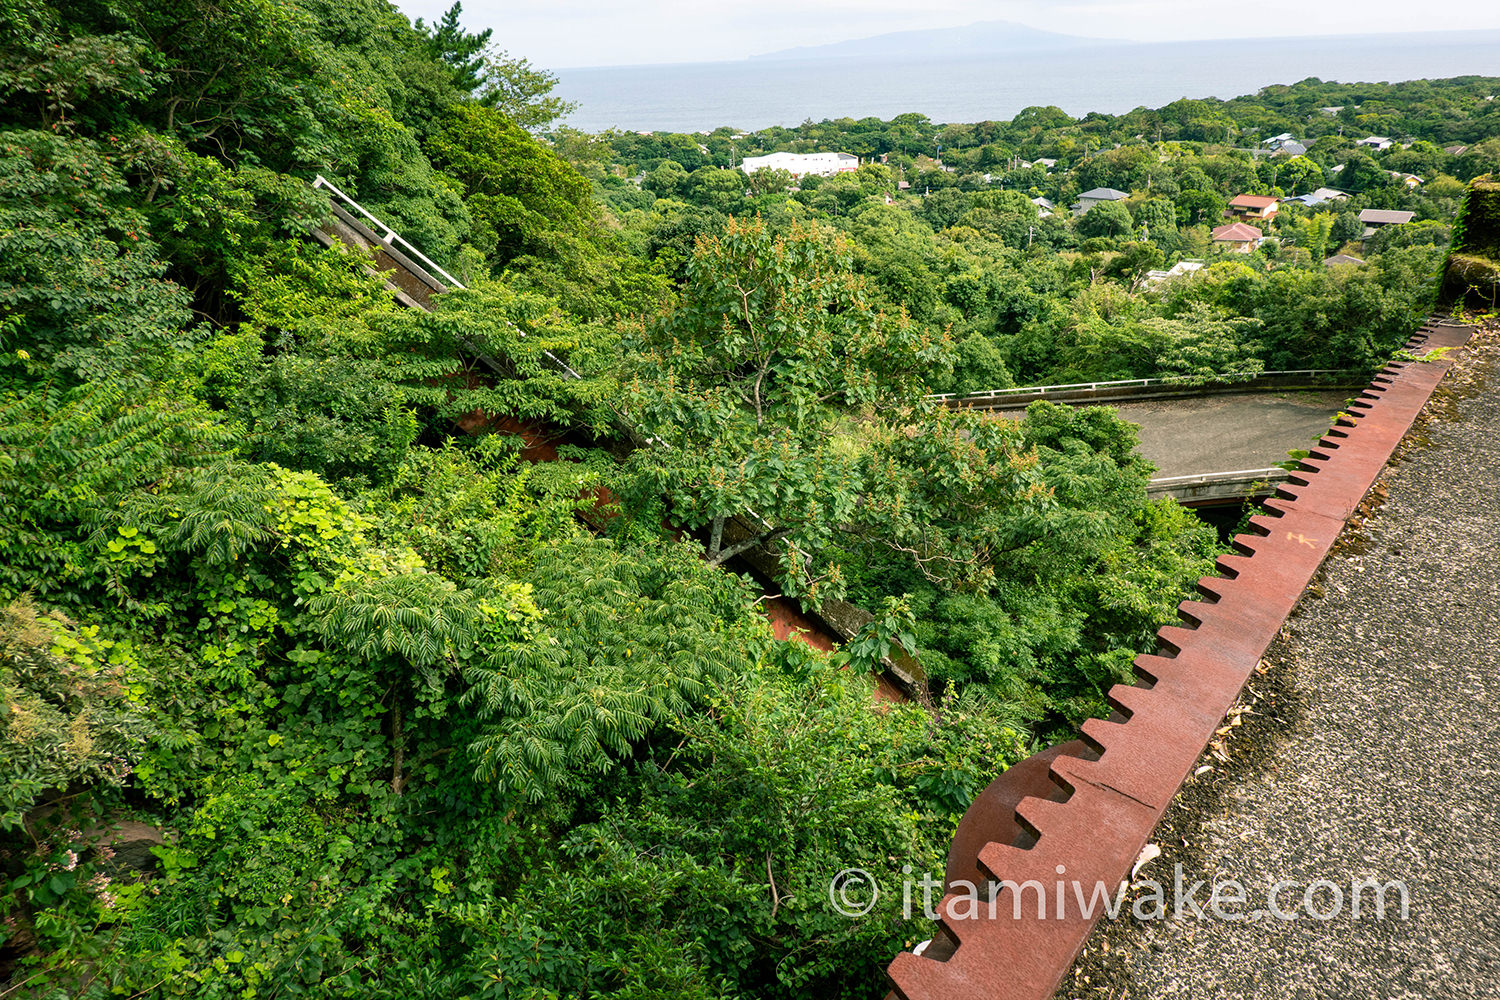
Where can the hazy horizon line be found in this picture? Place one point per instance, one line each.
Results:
(1465, 34)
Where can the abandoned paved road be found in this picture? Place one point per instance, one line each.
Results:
(1184, 437)
(1226, 433)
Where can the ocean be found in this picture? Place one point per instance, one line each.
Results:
(753, 94)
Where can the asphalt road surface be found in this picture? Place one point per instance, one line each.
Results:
(1184, 437)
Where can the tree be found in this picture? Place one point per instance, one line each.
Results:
(745, 386)
(81, 287)
(944, 208)
(1362, 173)
(1123, 168)
(69, 726)
(769, 180)
(1200, 342)
(1135, 259)
(521, 92)
(1346, 226)
(463, 53)
(1299, 175)
(1412, 234)
(1199, 207)
(666, 180)
(716, 188)
(1157, 221)
(534, 216)
(1480, 158)
(836, 195)
(1108, 220)
(979, 366)
(1313, 234)
(1421, 158)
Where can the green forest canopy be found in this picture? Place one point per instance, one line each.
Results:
(416, 718)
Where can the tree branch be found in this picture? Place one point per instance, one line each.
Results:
(775, 895)
(764, 538)
(717, 538)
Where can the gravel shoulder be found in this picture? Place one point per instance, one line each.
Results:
(1366, 746)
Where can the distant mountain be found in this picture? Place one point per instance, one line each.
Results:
(979, 39)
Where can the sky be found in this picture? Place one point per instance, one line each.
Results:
(559, 34)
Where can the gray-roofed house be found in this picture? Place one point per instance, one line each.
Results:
(1385, 217)
(1375, 218)
(1097, 196)
(1291, 148)
(1342, 258)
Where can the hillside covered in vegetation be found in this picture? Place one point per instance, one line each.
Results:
(311, 686)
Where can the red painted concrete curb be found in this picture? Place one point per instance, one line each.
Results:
(1093, 832)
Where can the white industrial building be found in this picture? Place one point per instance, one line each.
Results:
(802, 164)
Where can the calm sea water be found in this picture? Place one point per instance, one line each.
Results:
(754, 94)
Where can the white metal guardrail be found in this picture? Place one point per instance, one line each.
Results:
(391, 237)
(1230, 378)
(1167, 482)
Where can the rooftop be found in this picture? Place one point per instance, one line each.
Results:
(1385, 216)
(1236, 232)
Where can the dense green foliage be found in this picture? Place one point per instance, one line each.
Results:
(416, 716)
(1044, 296)
(1472, 276)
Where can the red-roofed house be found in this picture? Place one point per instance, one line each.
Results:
(1237, 237)
(1248, 207)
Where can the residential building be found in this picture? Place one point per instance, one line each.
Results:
(1376, 142)
(1252, 208)
(1097, 196)
(1285, 145)
(1375, 218)
(1181, 269)
(1342, 258)
(1044, 206)
(1237, 237)
(1319, 196)
(801, 164)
